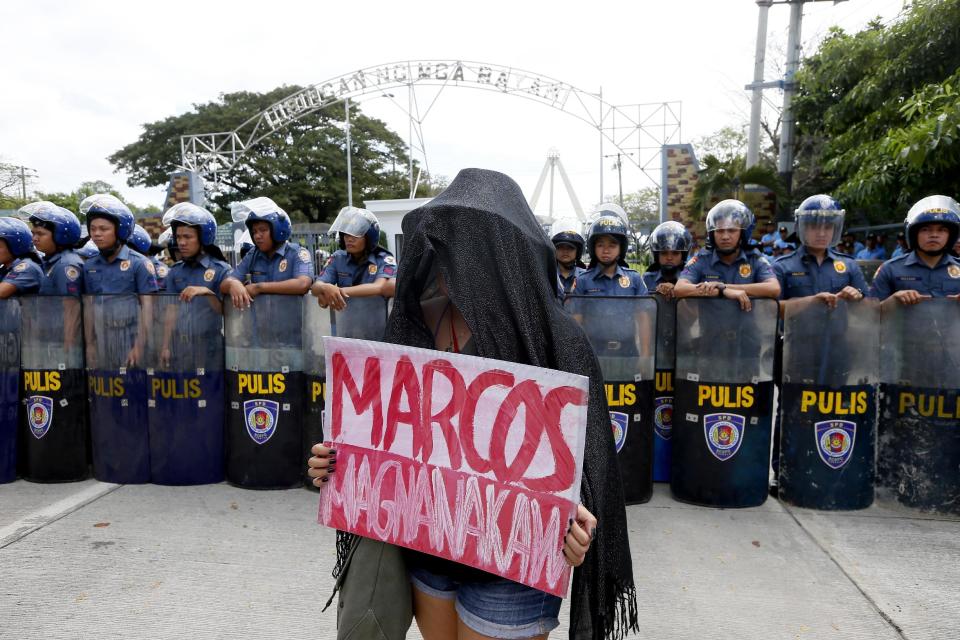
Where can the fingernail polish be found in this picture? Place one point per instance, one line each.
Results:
(324, 479)
(331, 469)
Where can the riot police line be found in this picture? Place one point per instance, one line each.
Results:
(153, 389)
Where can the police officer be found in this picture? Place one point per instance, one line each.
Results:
(568, 245)
(928, 270)
(874, 249)
(20, 271)
(901, 247)
(816, 269)
(88, 249)
(141, 243)
(274, 265)
(169, 243)
(670, 244)
(116, 268)
(360, 267)
(608, 273)
(56, 231)
(728, 267)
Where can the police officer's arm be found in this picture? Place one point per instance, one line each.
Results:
(237, 292)
(375, 288)
(690, 281)
(7, 290)
(294, 286)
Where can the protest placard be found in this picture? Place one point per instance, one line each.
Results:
(471, 459)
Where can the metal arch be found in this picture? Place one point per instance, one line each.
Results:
(638, 130)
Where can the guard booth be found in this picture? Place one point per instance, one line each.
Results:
(622, 331)
(115, 328)
(723, 397)
(54, 433)
(9, 387)
(918, 439)
(185, 390)
(663, 387)
(362, 318)
(265, 392)
(828, 405)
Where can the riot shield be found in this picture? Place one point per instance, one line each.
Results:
(115, 328)
(723, 397)
(265, 391)
(663, 387)
(9, 387)
(316, 324)
(185, 390)
(54, 432)
(828, 405)
(918, 439)
(622, 332)
(362, 318)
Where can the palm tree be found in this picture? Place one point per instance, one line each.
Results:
(729, 178)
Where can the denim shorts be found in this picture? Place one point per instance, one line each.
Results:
(499, 608)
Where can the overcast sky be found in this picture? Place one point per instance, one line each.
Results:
(82, 77)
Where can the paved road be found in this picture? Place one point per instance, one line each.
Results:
(93, 560)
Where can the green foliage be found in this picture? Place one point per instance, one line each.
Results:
(878, 112)
(301, 167)
(73, 199)
(726, 144)
(728, 178)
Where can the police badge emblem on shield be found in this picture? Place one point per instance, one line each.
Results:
(619, 422)
(663, 416)
(261, 417)
(835, 440)
(39, 415)
(724, 434)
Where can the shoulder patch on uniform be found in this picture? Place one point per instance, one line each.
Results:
(953, 271)
(21, 267)
(304, 255)
(162, 270)
(692, 261)
(151, 268)
(389, 259)
(124, 265)
(72, 273)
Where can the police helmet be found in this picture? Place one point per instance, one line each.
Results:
(731, 214)
(17, 235)
(104, 205)
(64, 225)
(243, 244)
(357, 222)
(88, 250)
(670, 236)
(610, 209)
(939, 209)
(263, 209)
(166, 239)
(608, 225)
(565, 232)
(189, 214)
(820, 210)
(140, 240)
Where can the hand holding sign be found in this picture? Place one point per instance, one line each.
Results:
(473, 460)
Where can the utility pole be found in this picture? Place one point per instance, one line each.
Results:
(785, 159)
(756, 101)
(600, 127)
(619, 171)
(346, 105)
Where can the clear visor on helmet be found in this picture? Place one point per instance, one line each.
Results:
(725, 222)
(187, 213)
(669, 236)
(262, 206)
(566, 226)
(610, 209)
(819, 228)
(165, 237)
(244, 239)
(352, 221)
(934, 207)
(41, 209)
(103, 201)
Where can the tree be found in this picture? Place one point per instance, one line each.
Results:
(302, 168)
(728, 178)
(73, 199)
(643, 212)
(878, 112)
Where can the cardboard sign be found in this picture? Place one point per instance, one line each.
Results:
(470, 459)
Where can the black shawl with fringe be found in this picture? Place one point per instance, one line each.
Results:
(501, 272)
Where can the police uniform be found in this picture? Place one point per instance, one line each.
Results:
(288, 262)
(161, 270)
(342, 270)
(204, 272)
(877, 253)
(749, 268)
(623, 282)
(129, 272)
(24, 274)
(910, 272)
(800, 275)
(653, 277)
(63, 274)
(567, 283)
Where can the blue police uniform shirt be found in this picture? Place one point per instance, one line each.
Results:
(653, 277)
(771, 237)
(287, 262)
(878, 253)
(623, 282)
(567, 283)
(858, 247)
(162, 270)
(910, 272)
(780, 243)
(748, 268)
(206, 271)
(800, 275)
(342, 270)
(24, 274)
(62, 274)
(129, 272)
(897, 252)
